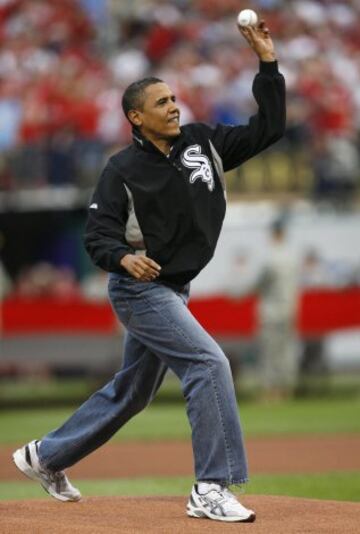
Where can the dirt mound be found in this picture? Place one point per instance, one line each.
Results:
(275, 515)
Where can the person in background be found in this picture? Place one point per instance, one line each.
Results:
(277, 288)
(315, 274)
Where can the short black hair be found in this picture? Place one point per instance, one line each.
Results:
(134, 94)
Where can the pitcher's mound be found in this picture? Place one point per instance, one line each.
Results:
(130, 515)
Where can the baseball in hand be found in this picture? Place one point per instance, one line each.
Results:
(247, 17)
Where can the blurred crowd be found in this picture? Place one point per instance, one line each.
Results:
(64, 65)
(44, 279)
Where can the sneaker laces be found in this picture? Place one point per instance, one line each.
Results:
(229, 494)
(226, 497)
(220, 496)
(223, 492)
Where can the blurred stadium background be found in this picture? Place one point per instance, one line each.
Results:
(64, 65)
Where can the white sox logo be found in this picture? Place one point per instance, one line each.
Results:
(193, 159)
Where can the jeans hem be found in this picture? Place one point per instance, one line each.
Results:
(43, 463)
(239, 483)
(231, 482)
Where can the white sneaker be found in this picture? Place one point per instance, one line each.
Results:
(54, 482)
(218, 503)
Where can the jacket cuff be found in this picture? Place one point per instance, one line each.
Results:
(118, 256)
(268, 67)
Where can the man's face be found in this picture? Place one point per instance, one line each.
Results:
(159, 116)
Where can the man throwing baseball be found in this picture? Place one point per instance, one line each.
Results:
(154, 221)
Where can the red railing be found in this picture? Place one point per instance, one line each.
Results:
(320, 311)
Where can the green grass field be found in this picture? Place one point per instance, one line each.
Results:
(161, 421)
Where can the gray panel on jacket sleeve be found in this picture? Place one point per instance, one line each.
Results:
(218, 166)
(133, 234)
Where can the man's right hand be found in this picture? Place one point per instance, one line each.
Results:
(140, 267)
(260, 41)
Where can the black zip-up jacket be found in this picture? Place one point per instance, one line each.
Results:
(173, 207)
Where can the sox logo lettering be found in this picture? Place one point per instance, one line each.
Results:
(193, 159)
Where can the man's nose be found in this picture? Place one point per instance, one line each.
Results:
(173, 108)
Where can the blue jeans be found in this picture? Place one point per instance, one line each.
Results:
(161, 334)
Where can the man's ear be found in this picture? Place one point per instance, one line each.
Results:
(135, 117)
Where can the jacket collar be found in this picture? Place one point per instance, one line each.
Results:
(140, 141)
